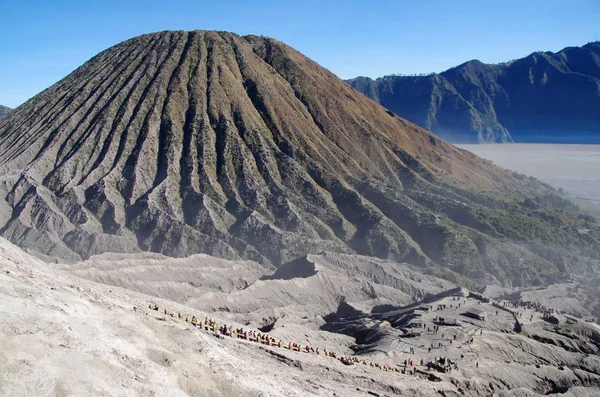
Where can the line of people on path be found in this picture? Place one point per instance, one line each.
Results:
(223, 331)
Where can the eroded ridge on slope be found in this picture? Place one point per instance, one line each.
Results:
(241, 147)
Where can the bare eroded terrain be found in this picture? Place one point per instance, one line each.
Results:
(64, 335)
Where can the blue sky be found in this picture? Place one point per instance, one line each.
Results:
(42, 41)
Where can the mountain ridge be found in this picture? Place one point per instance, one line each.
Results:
(4, 110)
(243, 148)
(545, 97)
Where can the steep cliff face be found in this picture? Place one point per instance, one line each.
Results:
(544, 97)
(241, 147)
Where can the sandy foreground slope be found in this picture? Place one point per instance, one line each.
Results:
(65, 336)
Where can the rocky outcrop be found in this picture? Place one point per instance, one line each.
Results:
(544, 97)
(242, 148)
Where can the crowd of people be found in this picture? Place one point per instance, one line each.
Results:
(535, 306)
(223, 331)
(441, 364)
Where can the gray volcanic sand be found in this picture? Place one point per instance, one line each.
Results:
(63, 335)
(575, 168)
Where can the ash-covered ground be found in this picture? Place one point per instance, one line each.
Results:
(88, 329)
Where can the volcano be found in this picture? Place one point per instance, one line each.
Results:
(243, 148)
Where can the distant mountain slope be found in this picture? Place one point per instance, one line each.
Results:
(544, 97)
(241, 147)
(4, 110)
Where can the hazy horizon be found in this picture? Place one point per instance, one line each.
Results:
(573, 167)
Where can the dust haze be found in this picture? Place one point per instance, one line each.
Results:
(574, 168)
